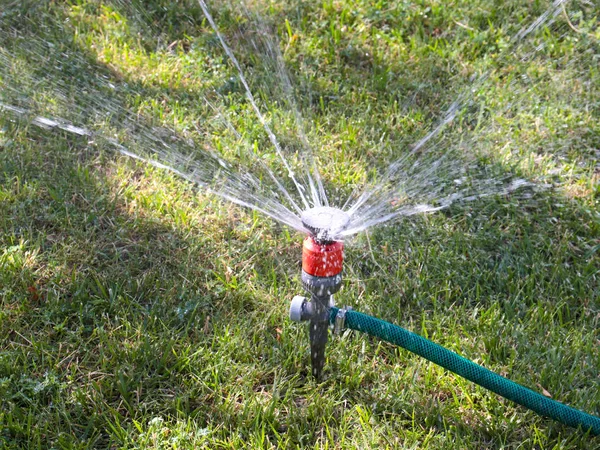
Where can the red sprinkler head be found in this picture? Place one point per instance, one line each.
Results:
(322, 253)
(322, 259)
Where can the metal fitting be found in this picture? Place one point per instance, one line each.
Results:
(340, 319)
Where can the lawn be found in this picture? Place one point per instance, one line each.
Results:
(140, 311)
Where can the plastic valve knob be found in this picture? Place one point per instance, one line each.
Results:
(296, 308)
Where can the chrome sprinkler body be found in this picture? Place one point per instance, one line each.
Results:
(322, 261)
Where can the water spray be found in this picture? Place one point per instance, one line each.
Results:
(322, 264)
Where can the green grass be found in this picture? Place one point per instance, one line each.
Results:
(138, 312)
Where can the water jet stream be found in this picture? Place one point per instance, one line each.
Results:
(439, 170)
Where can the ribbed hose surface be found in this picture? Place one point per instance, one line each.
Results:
(469, 370)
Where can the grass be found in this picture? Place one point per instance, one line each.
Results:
(138, 312)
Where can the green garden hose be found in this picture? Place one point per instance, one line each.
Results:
(469, 370)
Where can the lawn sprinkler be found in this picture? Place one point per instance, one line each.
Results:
(322, 261)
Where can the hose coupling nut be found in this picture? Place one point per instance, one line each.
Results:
(340, 320)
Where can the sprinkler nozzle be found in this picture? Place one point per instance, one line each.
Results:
(325, 223)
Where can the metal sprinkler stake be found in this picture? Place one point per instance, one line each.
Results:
(322, 261)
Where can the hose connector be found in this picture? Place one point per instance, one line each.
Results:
(340, 320)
